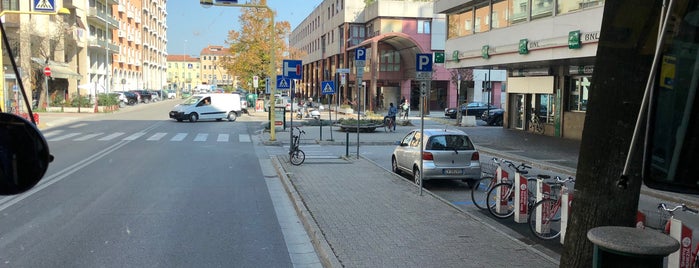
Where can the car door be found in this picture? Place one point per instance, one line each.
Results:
(403, 151)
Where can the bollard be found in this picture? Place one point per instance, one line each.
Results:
(620, 246)
(566, 200)
(346, 144)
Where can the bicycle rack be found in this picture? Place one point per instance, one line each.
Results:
(566, 200)
(543, 190)
(521, 208)
(501, 176)
(683, 256)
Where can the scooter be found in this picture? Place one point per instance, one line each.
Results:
(313, 113)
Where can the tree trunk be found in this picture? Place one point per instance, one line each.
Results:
(624, 56)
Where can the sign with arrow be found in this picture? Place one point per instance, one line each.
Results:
(327, 87)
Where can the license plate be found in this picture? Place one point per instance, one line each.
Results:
(453, 171)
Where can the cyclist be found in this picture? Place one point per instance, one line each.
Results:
(392, 111)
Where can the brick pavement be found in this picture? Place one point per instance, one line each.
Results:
(378, 219)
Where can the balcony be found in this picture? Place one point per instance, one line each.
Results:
(102, 44)
(119, 58)
(138, 19)
(121, 8)
(121, 33)
(129, 14)
(96, 16)
(129, 37)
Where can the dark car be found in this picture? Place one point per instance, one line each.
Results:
(493, 117)
(127, 97)
(472, 108)
(144, 94)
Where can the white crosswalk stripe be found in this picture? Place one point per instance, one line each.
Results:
(201, 137)
(66, 136)
(88, 136)
(222, 138)
(112, 136)
(179, 137)
(157, 136)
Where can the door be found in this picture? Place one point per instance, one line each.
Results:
(518, 111)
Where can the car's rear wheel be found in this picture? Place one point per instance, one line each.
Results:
(232, 116)
(416, 176)
(193, 117)
(394, 166)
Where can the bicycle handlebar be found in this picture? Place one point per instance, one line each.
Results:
(663, 206)
(562, 181)
(521, 168)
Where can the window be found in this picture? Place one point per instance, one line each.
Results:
(578, 93)
(460, 24)
(544, 107)
(423, 26)
(389, 61)
(482, 19)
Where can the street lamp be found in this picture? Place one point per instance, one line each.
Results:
(272, 67)
(60, 11)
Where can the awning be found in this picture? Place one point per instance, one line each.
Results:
(59, 69)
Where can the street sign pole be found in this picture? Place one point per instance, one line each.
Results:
(423, 73)
(360, 60)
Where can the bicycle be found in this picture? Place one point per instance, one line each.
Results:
(504, 193)
(536, 125)
(548, 211)
(404, 114)
(388, 124)
(666, 215)
(296, 155)
(487, 181)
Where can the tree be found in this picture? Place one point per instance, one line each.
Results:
(250, 47)
(623, 61)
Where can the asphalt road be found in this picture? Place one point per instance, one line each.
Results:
(136, 189)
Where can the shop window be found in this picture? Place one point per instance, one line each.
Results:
(545, 108)
(423, 26)
(578, 93)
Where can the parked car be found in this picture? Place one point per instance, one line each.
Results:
(144, 95)
(448, 154)
(127, 97)
(494, 118)
(472, 108)
(171, 94)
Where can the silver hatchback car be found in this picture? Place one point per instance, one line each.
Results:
(448, 154)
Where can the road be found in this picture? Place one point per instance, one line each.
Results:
(136, 189)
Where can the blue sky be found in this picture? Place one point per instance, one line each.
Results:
(200, 27)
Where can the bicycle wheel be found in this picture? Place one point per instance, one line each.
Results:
(479, 191)
(506, 200)
(297, 157)
(547, 214)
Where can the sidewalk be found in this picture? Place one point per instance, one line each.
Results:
(374, 218)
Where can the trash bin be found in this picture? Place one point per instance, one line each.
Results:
(619, 246)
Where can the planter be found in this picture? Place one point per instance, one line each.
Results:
(362, 128)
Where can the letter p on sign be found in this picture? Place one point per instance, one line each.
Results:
(423, 62)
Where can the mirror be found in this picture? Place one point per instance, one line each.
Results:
(672, 140)
(24, 154)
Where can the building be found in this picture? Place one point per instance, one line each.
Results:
(211, 71)
(547, 48)
(393, 32)
(127, 63)
(183, 73)
(154, 39)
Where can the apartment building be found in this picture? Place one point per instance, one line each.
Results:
(392, 32)
(127, 63)
(211, 71)
(154, 40)
(183, 73)
(546, 47)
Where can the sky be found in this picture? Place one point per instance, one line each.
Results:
(192, 27)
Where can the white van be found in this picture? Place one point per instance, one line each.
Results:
(217, 106)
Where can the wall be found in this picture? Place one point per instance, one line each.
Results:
(573, 123)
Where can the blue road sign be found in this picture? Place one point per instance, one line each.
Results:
(360, 54)
(327, 87)
(423, 62)
(283, 82)
(44, 5)
(292, 69)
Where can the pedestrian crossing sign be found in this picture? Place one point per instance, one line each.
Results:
(283, 82)
(327, 87)
(44, 5)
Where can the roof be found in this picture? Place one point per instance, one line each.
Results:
(180, 57)
(215, 50)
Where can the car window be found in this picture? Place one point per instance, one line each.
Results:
(192, 100)
(449, 142)
(408, 138)
(415, 141)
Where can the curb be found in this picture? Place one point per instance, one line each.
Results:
(324, 250)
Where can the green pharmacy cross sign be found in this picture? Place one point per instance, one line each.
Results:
(484, 51)
(523, 46)
(574, 40)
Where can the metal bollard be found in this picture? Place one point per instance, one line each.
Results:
(346, 144)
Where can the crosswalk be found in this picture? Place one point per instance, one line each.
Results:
(60, 135)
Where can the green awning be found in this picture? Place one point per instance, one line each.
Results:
(59, 69)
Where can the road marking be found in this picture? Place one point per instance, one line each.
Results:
(157, 136)
(244, 138)
(222, 138)
(179, 137)
(52, 133)
(89, 136)
(134, 136)
(66, 136)
(201, 137)
(112, 136)
(78, 125)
